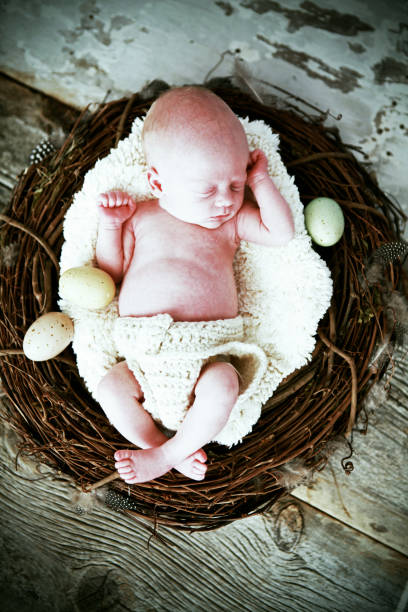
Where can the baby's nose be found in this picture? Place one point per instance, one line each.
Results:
(224, 202)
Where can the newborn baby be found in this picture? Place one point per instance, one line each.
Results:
(174, 254)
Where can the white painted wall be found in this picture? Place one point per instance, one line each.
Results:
(78, 50)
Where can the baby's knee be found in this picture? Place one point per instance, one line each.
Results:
(108, 385)
(119, 379)
(218, 378)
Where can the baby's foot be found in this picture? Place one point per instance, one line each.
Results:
(148, 464)
(141, 465)
(193, 466)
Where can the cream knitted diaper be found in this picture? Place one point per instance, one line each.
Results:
(167, 356)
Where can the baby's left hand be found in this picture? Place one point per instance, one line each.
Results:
(257, 168)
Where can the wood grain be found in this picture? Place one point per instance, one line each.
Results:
(373, 498)
(293, 558)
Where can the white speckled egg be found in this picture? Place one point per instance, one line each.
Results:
(48, 336)
(324, 221)
(87, 287)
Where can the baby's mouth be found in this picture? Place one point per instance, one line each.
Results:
(221, 216)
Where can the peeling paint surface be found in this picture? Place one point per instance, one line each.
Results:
(312, 15)
(390, 70)
(349, 57)
(342, 78)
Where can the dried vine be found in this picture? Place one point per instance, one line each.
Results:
(59, 422)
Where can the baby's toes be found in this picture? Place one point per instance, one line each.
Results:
(124, 466)
(121, 455)
(127, 473)
(199, 468)
(197, 475)
(200, 455)
(130, 478)
(125, 470)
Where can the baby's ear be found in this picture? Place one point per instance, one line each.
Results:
(154, 181)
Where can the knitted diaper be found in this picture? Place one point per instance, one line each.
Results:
(167, 356)
(283, 292)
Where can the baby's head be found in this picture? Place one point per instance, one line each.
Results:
(197, 153)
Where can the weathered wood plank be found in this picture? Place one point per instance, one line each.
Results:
(26, 117)
(292, 559)
(373, 498)
(348, 57)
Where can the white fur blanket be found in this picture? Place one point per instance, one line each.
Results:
(283, 292)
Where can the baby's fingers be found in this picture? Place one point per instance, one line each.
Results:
(117, 198)
(113, 198)
(256, 157)
(102, 199)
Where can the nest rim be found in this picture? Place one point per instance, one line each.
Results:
(55, 417)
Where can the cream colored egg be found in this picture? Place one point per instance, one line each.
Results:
(324, 221)
(87, 287)
(48, 336)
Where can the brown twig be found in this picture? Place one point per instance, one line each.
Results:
(101, 483)
(34, 235)
(354, 385)
(317, 156)
(123, 117)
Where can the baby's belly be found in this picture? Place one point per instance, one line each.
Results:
(183, 290)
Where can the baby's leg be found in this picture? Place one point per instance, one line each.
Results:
(120, 396)
(215, 394)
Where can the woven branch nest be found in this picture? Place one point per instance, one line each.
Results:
(59, 422)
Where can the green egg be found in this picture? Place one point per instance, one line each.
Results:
(324, 221)
(87, 287)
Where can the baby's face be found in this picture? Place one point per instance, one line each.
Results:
(204, 184)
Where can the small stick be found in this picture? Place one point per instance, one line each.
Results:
(316, 156)
(123, 117)
(34, 235)
(332, 339)
(350, 361)
(102, 482)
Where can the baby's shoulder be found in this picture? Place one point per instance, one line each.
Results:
(144, 210)
(147, 207)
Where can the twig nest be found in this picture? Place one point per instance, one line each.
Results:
(48, 336)
(308, 410)
(324, 221)
(87, 287)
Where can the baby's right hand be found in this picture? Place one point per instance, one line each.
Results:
(115, 207)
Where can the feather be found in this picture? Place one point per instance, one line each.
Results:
(391, 251)
(293, 474)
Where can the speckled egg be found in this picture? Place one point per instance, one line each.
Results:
(87, 287)
(48, 336)
(324, 221)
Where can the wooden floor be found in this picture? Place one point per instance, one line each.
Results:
(339, 544)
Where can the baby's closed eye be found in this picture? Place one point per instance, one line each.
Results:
(206, 194)
(209, 192)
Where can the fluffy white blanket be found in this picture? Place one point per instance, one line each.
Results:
(283, 291)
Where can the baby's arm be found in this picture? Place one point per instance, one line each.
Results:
(272, 223)
(114, 207)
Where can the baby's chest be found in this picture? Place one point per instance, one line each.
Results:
(173, 238)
